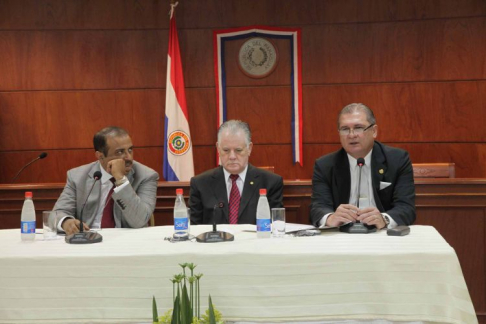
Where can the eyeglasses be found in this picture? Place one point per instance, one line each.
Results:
(356, 131)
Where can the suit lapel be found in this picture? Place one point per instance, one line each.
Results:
(378, 171)
(93, 202)
(218, 185)
(342, 177)
(252, 182)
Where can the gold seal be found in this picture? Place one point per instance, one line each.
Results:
(257, 57)
(381, 171)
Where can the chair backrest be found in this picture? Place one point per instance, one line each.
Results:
(434, 170)
(268, 168)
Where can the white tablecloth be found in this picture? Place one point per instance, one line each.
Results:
(331, 276)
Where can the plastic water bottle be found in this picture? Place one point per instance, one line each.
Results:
(181, 220)
(27, 219)
(264, 225)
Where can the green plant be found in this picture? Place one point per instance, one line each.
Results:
(187, 302)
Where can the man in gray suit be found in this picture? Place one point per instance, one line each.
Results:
(230, 192)
(124, 197)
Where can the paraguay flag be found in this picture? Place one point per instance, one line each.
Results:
(178, 161)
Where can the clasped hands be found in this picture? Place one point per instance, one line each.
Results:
(347, 213)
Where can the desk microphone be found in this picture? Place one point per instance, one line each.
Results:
(358, 227)
(85, 237)
(40, 157)
(215, 236)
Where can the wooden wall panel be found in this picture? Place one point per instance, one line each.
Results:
(405, 112)
(399, 51)
(53, 60)
(149, 14)
(94, 63)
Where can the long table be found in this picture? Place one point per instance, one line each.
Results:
(328, 277)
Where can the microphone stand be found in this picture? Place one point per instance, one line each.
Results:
(215, 236)
(83, 237)
(358, 227)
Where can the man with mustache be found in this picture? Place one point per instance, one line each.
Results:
(124, 196)
(387, 191)
(229, 193)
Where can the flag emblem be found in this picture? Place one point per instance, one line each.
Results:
(179, 142)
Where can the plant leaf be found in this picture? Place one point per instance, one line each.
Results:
(176, 312)
(212, 317)
(155, 315)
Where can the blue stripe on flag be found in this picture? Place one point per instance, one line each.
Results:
(169, 174)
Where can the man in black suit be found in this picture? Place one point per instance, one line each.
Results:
(229, 193)
(386, 180)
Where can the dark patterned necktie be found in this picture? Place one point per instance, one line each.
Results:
(108, 221)
(234, 200)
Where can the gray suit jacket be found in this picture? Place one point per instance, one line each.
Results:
(209, 190)
(331, 183)
(134, 204)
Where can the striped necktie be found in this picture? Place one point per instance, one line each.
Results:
(234, 200)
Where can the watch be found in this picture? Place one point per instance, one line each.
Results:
(386, 219)
(121, 181)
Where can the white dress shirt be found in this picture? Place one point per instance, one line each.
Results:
(353, 195)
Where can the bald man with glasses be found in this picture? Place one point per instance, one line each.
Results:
(387, 190)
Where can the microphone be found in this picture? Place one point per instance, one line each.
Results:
(361, 162)
(85, 237)
(215, 236)
(40, 157)
(358, 227)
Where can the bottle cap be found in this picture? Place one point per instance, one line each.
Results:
(179, 191)
(28, 194)
(263, 191)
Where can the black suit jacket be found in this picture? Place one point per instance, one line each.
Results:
(209, 189)
(331, 183)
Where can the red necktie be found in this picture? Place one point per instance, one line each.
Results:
(108, 221)
(234, 200)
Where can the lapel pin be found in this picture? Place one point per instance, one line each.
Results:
(251, 182)
(381, 171)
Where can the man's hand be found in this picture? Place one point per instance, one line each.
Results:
(344, 214)
(117, 168)
(71, 226)
(371, 216)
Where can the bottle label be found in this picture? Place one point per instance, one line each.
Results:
(264, 225)
(27, 227)
(181, 224)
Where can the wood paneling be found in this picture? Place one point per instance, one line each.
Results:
(405, 112)
(149, 14)
(399, 51)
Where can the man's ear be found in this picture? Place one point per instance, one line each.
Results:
(99, 155)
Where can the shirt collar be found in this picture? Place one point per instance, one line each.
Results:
(354, 162)
(242, 174)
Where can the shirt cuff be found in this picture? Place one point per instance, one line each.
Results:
(120, 187)
(322, 222)
(392, 224)
(59, 227)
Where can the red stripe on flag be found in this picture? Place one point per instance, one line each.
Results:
(176, 76)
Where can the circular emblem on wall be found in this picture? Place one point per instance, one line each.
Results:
(179, 142)
(258, 57)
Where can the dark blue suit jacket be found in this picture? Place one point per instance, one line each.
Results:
(331, 183)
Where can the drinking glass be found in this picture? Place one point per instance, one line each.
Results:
(48, 224)
(278, 222)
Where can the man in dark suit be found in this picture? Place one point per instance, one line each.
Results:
(229, 193)
(387, 193)
(123, 197)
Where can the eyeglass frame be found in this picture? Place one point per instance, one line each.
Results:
(349, 130)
